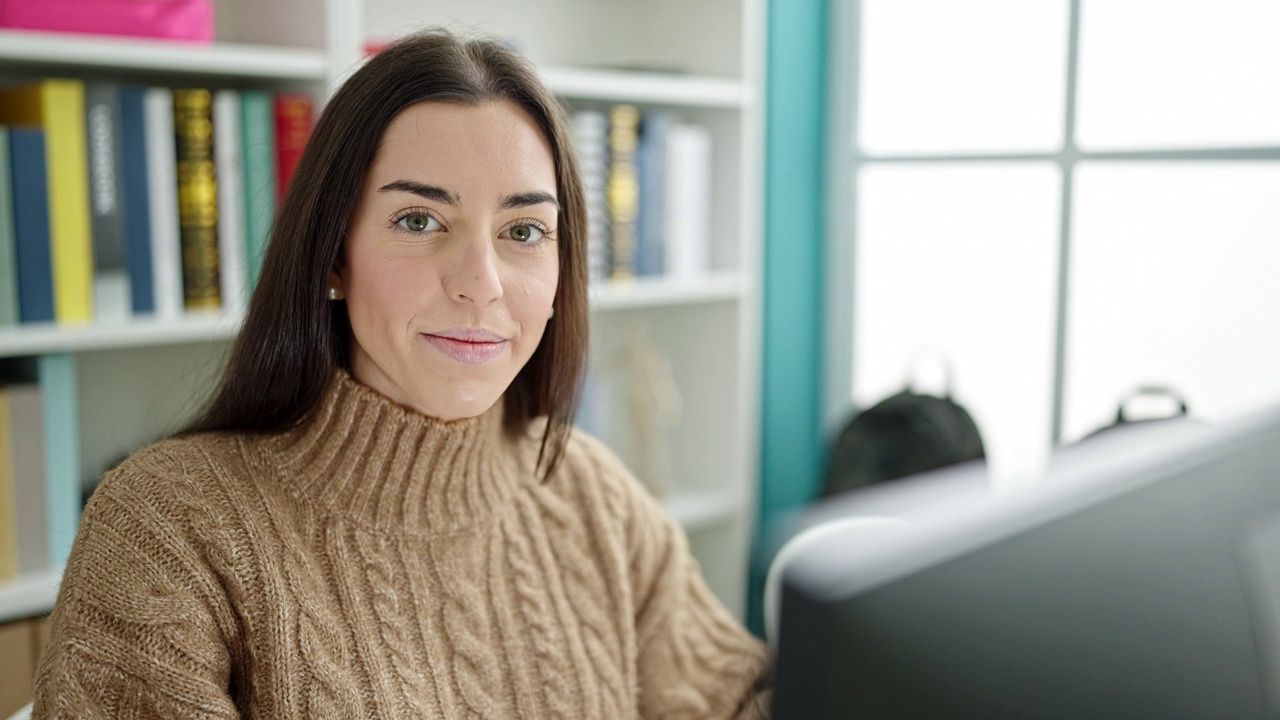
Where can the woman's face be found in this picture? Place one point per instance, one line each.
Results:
(451, 263)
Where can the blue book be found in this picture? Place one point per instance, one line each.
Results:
(137, 199)
(30, 183)
(651, 172)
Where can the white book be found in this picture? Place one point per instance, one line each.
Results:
(162, 171)
(591, 140)
(687, 250)
(229, 168)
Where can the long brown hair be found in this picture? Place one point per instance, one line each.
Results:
(294, 338)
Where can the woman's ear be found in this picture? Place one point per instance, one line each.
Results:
(337, 290)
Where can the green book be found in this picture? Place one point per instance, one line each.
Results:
(8, 255)
(259, 162)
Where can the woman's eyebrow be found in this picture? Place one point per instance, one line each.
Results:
(430, 192)
(520, 200)
(439, 194)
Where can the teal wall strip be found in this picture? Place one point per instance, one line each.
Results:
(792, 443)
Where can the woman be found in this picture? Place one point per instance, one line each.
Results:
(384, 511)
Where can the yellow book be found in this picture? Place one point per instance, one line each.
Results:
(197, 198)
(8, 521)
(623, 191)
(58, 107)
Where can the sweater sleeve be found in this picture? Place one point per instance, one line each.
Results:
(695, 659)
(137, 630)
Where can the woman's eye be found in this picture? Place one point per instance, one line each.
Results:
(418, 222)
(526, 233)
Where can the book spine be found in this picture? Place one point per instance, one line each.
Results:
(70, 235)
(197, 198)
(293, 128)
(259, 158)
(591, 141)
(8, 518)
(230, 172)
(30, 184)
(26, 410)
(688, 211)
(111, 294)
(59, 389)
(137, 199)
(162, 168)
(651, 168)
(8, 253)
(624, 122)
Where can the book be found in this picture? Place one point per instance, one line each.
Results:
(8, 253)
(591, 142)
(651, 171)
(293, 115)
(197, 198)
(26, 428)
(57, 105)
(60, 389)
(162, 186)
(111, 295)
(257, 128)
(8, 518)
(136, 191)
(623, 190)
(688, 209)
(226, 155)
(17, 667)
(32, 248)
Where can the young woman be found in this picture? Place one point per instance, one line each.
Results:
(384, 511)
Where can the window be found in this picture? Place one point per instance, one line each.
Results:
(1064, 200)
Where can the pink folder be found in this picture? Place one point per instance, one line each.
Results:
(190, 20)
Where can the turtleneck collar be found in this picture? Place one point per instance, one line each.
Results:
(392, 469)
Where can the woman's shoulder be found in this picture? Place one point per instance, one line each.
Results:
(587, 455)
(176, 471)
(589, 462)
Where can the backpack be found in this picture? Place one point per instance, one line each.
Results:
(902, 435)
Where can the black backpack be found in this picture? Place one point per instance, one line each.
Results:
(902, 435)
(1124, 422)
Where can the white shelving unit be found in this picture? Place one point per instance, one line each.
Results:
(652, 88)
(134, 381)
(48, 338)
(71, 52)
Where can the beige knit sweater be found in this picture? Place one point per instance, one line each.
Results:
(380, 564)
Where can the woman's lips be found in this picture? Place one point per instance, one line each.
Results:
(470, 347)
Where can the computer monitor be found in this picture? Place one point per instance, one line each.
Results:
(1134, 580)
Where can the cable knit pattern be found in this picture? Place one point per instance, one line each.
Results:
(379, 564)
(393, 630)
(541, 631)
(584, 581)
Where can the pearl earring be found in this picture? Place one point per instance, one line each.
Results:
(334, 293)
(553, 312)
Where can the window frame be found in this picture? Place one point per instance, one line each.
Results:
(846, 160)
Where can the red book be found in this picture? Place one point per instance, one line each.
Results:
(294, 119)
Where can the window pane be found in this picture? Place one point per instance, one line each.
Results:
(1186, 74)
(941, 76)
(960, 261)
(1173, 281)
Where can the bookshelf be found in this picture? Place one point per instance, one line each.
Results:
(703, 62)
